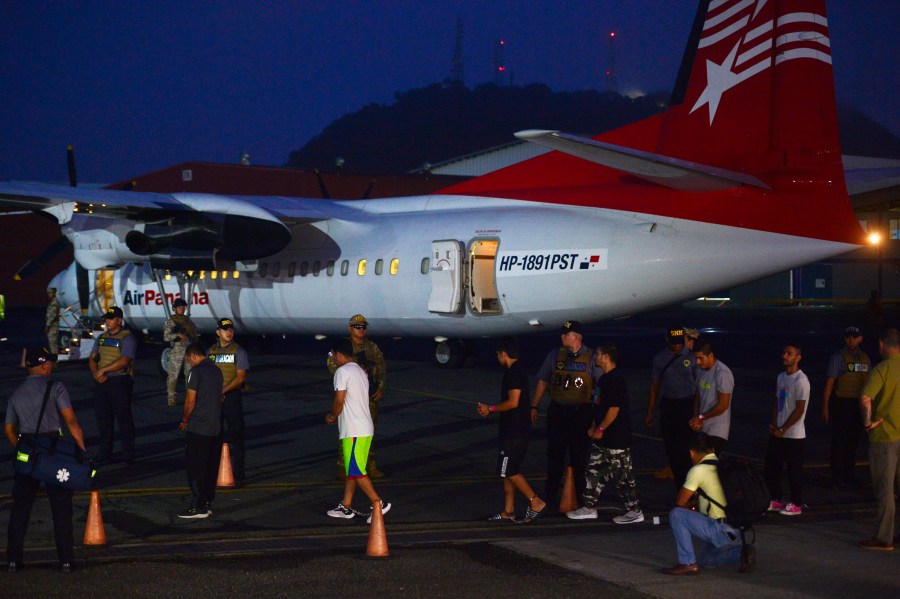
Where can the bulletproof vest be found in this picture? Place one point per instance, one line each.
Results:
(225, 358)
(571, 382)
(856, 371)
(109, 348)
(185, 325)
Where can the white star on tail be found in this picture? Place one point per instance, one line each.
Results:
(719, 79)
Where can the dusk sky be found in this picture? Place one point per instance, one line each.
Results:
(137, 87)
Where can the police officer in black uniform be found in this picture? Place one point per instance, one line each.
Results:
(111, 367)
(569, 374)
(22, 413)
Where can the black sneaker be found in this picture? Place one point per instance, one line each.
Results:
(194, 513)
(748, 559)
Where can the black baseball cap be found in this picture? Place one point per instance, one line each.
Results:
(225, 323)
(35, 356)
(852, 332)
(113, 312)
(572, 326)
(675, 335)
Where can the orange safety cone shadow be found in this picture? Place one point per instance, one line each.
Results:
(377, 547)
(568, 502)
(226, 477)
(94, 533)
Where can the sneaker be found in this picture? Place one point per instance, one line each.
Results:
(341, 512)
(385, 508)
(629, 517)
(791, 510)
(582, 513)
(748, 559)
(776, 506)
(194, 513)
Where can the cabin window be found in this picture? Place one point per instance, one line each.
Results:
(379, 266)
(317, 268)
(276, 269)
(345, 267)
(263, 268)
(330, 268)
(426, 266)
(304, 268)
(361, 267)
(292, 269)
(395, 266)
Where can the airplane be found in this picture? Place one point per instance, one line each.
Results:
(741, 177)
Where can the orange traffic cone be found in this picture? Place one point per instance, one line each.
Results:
(377, 546)
(226, 478)
(94, 533)
(568, 502)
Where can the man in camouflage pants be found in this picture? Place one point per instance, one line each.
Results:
(180, 331)
(51, 321)
(610, 461)
(370, 358)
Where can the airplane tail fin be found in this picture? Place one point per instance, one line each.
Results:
(750, 138)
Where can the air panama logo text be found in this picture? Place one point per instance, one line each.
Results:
(760, 40)
(151, 297)
(541, 262)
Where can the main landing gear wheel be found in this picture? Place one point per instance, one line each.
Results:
(164, 361)
(451, 353)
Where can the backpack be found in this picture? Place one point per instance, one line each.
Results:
(745, 493)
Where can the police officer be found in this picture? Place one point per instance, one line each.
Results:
(111, 366)
(672, 379)
(370, 358)
(848, 370)
(568, 373)
(51, 321)
(179, 331)
(232, 360)
(22, 415)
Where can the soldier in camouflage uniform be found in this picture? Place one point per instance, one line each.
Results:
(180, 331)
(51, 321)
(367, 355)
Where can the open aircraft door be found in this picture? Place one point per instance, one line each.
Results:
(446, 276)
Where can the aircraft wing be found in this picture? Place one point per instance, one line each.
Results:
(663, 170)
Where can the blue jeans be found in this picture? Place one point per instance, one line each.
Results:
(721, 543)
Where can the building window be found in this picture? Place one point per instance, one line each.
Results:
(304, 268)
(894, 228)
(426, 266)
(330, 268)
(395, 266)
(345, 267)
(292, 269)
(361, 268)
(379, 266)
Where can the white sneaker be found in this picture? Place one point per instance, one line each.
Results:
(582, 513)
(629, 517)
(385, 508)
(341, 512)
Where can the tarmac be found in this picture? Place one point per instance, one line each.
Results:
(272, 536)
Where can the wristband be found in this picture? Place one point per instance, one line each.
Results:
(184, 420)
(492, 408)
(599, 428)
(701, 417)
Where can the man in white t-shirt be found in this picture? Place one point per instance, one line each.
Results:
(351, 413)
(787, 434)
(712, 402)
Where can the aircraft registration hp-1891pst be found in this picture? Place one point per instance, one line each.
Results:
(739, 178)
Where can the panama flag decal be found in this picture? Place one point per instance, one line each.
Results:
(591, 263)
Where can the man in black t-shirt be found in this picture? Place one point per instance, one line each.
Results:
(202, 424)
(515, 428)
(611, 448)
